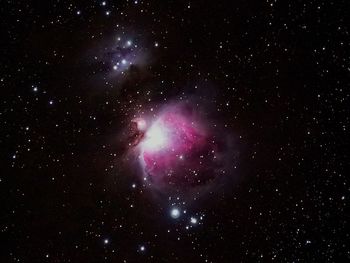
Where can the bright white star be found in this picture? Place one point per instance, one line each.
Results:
(175, 213)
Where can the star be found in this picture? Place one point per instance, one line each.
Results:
(175, 213)
(193, 220)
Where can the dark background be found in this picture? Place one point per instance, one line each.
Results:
(278, 76)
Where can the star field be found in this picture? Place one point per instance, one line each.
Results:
(174, 131)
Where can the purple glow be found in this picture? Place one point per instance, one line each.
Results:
(176, 148)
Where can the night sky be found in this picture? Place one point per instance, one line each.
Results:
(174, 131)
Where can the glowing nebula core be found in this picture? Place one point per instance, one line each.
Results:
(176, 149)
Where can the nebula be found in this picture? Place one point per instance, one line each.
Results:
(119, 57)
(177, 149)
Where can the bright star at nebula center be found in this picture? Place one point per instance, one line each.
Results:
(157, 137)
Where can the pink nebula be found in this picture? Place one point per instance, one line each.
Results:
(175, 148)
